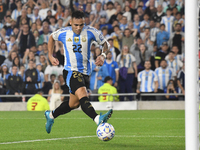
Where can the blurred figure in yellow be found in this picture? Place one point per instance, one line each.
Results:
(107, 88)
(37, 102)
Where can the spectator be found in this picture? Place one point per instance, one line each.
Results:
(44, 62)
(21, 70)
(115, 35)
(173, 63)
(55, 99)
(7, 25)
(14, 85)
(44, 37)
(29, 12)
(23, 16)
(171, 89)
(162, 36)
(142, 54)
(98, 75)
(160, 55)
(140, 12)
(177, 39)
(127, 39)
(45, 11)
(60, 23)
(151, 9)
(10, 58)
(35, 15)
(127, 13)
(44, 50)
(123, 23)
(133, 9)
(57, 70)
(164, 74)
(3, 74)
(37, 102)
(39, 68)
(147, 82)
(181, 82)
(31, 78)
(172, 4)
(53, 24)
(67, 17)
(63, 86)
(38, 24)
(115, 51)
(127, 71)
(29, 55)
(98, 11)
(144, 23)
(114, 16)
(157, 16)
(113, 69)
(107, 88)
(48, 84)
(27, 40)
(145, 36)
(137, 23)
(59, 13)
(154, 29)
(179, 57)
(3, 35)
(133, 31)
(16, 62)
(3, 10)
(168, 21)
(3, 49)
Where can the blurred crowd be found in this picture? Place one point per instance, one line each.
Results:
(146, 53)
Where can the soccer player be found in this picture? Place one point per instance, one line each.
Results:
(37, 102)
(77, 40)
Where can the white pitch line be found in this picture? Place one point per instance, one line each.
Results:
(79, 137)
(111, 118)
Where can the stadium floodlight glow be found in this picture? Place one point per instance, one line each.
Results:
(191, 76)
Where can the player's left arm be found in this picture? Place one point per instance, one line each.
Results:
(100, 59)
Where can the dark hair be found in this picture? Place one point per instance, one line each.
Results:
(108, 78)
(78, 14)
(162, 25)
(13, 62)
(171, 52)
(110, 3)
(177, 24)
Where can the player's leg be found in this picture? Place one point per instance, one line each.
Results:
(64, 108)
(88, 109)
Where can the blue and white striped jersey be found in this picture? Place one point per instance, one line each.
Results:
(176, 65)
(147, 79)
(169, 22)
(77, 47)
(164, 75)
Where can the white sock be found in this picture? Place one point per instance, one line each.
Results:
(96, 119)
(51, 115)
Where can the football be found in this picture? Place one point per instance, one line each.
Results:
(105, 132)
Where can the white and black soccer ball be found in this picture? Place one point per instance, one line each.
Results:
(105, 132)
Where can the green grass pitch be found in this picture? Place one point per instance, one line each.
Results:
(134, 130)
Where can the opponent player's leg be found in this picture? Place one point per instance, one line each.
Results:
(88, 109)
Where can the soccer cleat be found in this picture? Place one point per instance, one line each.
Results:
(104, 118)
(50, 121)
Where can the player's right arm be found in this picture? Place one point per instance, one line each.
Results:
(51, 43)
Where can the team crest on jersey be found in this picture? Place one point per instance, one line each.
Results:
(11, 78)
(83, 39)
(112, 65)
(33, 73)
(17, 79)
(76, 39)
(101, 37)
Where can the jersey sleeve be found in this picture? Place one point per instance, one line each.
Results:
(98, 37)
(139, 77)
(57, 33)
(155, 76)
(133, 58)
